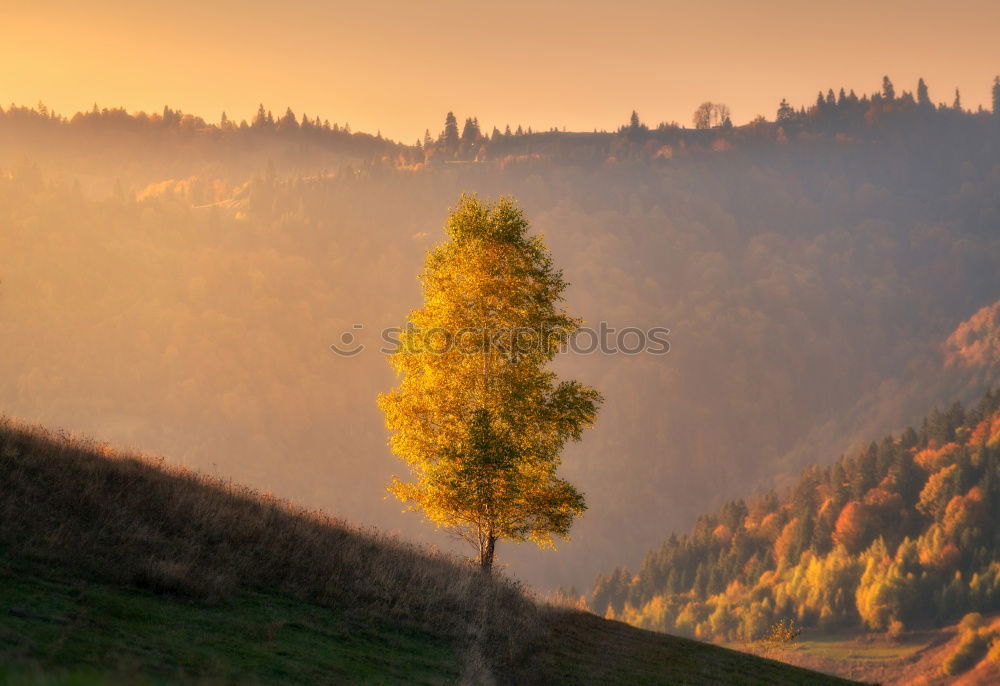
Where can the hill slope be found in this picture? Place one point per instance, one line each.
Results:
(114, 568)
(903, 535)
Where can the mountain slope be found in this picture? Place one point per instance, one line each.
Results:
(585, 649)
(902, 535)
(114, 568)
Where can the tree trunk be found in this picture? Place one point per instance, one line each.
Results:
(486, 552)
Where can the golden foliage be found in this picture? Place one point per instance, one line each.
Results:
(477, 417)
(783, 633)
(934, 458)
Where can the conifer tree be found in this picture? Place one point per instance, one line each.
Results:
(260, 121)
(888, 90)
(923, 98)
(470, 132)
(785, 112)
(449, 137)
(288, 120)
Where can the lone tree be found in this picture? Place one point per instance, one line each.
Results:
(477, 416)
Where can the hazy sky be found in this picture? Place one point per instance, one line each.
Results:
(399, 66)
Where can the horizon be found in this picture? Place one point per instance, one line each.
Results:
(353, 66)
(277, 113)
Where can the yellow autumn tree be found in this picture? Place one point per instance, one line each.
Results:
(478, 418)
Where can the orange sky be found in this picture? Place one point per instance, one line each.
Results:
(399, 66)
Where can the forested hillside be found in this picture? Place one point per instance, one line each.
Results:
(175, 284)
(901, 535)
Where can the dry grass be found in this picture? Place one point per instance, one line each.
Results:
(121, 518)
(129, 519)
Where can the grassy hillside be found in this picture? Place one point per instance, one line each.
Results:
(115, 568)
(60, 626)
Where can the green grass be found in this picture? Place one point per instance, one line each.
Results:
(586, 649)
(65, 631)
(130, 522)
(115, 569)
(59, 630)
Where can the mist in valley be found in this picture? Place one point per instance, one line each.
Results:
(175, 286)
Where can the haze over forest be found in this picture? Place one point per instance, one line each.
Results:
(174, 284)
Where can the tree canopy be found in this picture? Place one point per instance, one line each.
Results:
(478, 418)
(902, 534)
